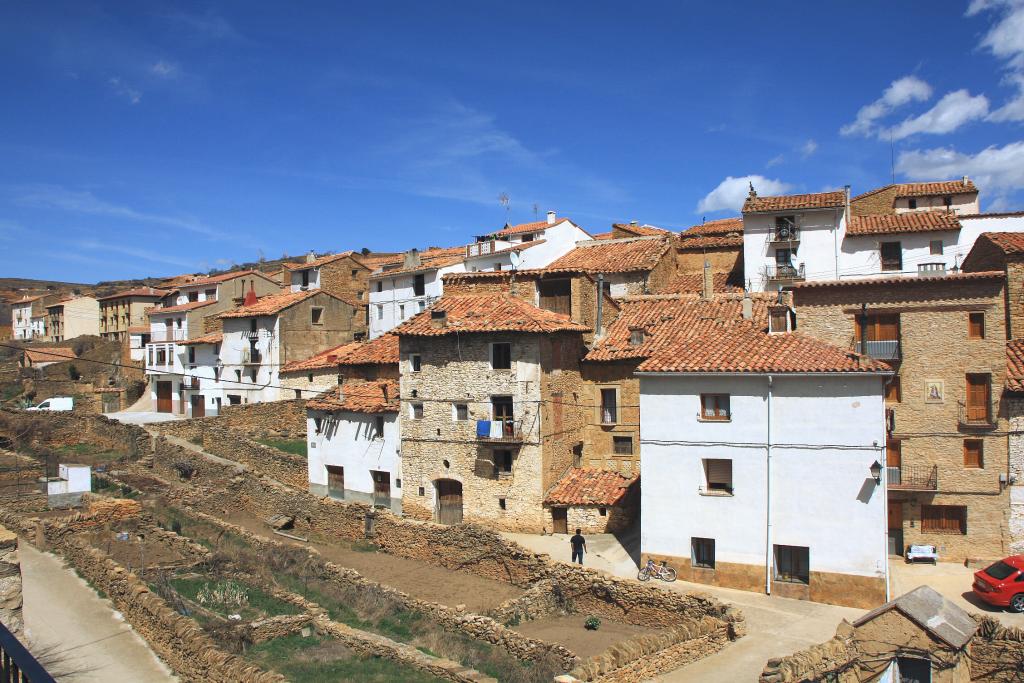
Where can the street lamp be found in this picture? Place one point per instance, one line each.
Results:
(876, 472)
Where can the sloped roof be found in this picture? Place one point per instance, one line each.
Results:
(142, 292)
(720, 226)
(533, 226)
(940, 187)
(589, 486)
(1008, 242)
(275, 303)
(379, 396)
(604, 235)
(380, 351)
(487, 313)
(27, 299)
(55, 354)
(644, 230)
(817, 200)
(909, 221)
(612, 256)
(216, 279)
(927, 608)
(430, 259)
(900, 280)
(180, 308)
(1015, 366)
(693, 283)
(322, 261)
(211, 338)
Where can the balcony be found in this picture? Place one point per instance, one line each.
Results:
(912, 478)
(975, 417)
(192, 383)
(784, 236)
(882, 349)
(168, 336)
(499, 431)
(482, 248)
(784, 273)
(251, 357)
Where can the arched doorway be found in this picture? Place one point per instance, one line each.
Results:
(449, 501)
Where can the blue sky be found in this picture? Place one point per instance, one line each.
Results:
(151, 138)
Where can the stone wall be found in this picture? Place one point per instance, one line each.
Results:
(336, 278)
(29, 429)
(876, 203)
(996, 652)
(1015, 416)
(599, 438)
(284, 467)
(10, 582)
(275, 419)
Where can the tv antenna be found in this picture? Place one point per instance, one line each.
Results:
(503, 198)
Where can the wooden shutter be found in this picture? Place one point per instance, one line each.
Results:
(893, 453)
(719, 472)
(944, 518)
(976, 326)
(556, 296)
(978, 390)
(892, 391)
(974, 453)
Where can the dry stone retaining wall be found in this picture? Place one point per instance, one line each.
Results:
(10, 582)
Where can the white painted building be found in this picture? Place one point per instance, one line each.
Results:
(353, 444)
(744, 484)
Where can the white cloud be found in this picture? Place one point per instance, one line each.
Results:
(74, 201)
(165, 69)
(731, 192)
(901, 91)
(775, 160)
(995, 168)
(124, 90)
(134, 252)
(808, 148)
(1005, 40)
(952, 111)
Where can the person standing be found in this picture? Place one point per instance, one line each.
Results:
(579, 546)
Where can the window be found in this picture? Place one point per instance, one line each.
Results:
(947, 201)
(305, 278)
(792, 564)
(380, 312)
(715, 407)
(401, 311)
(935, 247)
(316, 315)
(703, 550)
(974, 453)
(602, 512)
(609, 406)
(177, 323)
(976, 326)
(979, 393)
(419, 287)
(503, 462)
(216, 373)
(891, 254)
(378, 426)
(912, 203)
(238, 375)
(355, 273)
(503, 409)
(191, 354)
(893, 393)
(417, 411)
(380, 286)
(415, 362)
(234, 399)
(421, 306)
(944, 519)
(193, 296)
(527, 237)
(717, 475)
(501, 503)
(309, 377)
(623, 445)
(636, 337)
(461, 412)
(211, 294)
(501, 356)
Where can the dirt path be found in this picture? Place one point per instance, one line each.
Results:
(418, 579)
(569, 631)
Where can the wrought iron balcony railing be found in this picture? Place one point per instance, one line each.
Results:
(500, 431)
(913, 478)
(884, 349)
(976, 416)
(784, 273)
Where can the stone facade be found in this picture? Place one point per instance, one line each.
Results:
(436, 447)
(1015, 416)
(727, 260)
(599, 437)
(10, 582)
(874, 203)
(936, 354)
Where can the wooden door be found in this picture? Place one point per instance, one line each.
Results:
(335, 481)
(556, 296)
(978, 391)
(449, 501)
(893, 453)
(895, 531)
(164, 394)
(381, 488)
(560, 520)
(878, 327)
(895, 514)
(198, 406)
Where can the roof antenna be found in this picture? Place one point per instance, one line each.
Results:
(503, 199)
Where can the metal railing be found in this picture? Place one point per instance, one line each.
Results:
(780, 273)
(17, 665)
(884, 349)
(511, 431)
(913, 477)
(975, 417)
(785, 236)
(191, 382)
(926, 269)
(481, 248)
(168, 336)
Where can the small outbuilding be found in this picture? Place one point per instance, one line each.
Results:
(594, 500)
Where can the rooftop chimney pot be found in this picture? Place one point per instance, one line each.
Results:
(551, 217)
(708, 290)
(633, 223)
(311, 256)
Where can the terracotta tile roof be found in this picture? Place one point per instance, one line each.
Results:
(818, 200)
(430, 259)
(27, 299)
(380, 351)
(709, 242)
(322, 261)
(589, 486)
(529, 227)
(641, 230)
(720, 226)
(900, 280)
(275, 303)
(380, 396)
(139, 329)
(613, 256)
(941, 187)
(55, 354)
(910, 221)
(144, 292)
(1008, 242)
(993, 214)
(521, 246)
(211, 338)
(374, 261)
(604, 235)
(1015, 366)
(659, 315)
(180, 308)
(693, 283)
(201, 280)
(487, 313)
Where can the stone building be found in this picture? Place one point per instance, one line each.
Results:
(955, 196)
(630, 266)
(1013, 399)
(489, 384)
(946, 449)
(719, 243)
(123, 310)
(363, 360)
(28, 316)
(595, 501)
(344, 275)
(73, 317)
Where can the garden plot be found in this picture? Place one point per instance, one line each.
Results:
(571, 631)
(314, 659)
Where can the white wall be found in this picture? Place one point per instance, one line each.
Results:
(965, 202)
(822, 497)
(21, 321)
(821, 233)
(296, 279)
(397, 301)
(860, 256)
(235, 346)
(559, 240)
(971, 228)
(348, 440)
(183, 292)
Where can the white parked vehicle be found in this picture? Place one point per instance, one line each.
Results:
(55, 403)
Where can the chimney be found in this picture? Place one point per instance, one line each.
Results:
(708, 290)
(384, 388)
(633, 223)
(965, 181)
(311, 256)
(748, 306)
(250, 296)
(551, 217)
(600, 304)
(412, 259)
(846, 191)
(753, 193)
(438, 319)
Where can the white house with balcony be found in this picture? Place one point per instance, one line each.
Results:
(743, 483)
(353, 444)
(22, 324)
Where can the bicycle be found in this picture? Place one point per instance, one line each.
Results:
(662, 571)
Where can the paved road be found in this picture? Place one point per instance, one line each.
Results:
(143, 417)
(953, 581)
(91, 640)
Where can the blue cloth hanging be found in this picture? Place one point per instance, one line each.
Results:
(483, 429)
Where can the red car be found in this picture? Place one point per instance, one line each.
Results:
(1002, 584)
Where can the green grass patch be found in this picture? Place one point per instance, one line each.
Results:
(10, 391)
(293, 446)
(285, 655)
(256, 604)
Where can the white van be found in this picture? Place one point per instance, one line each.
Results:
(55, 403)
